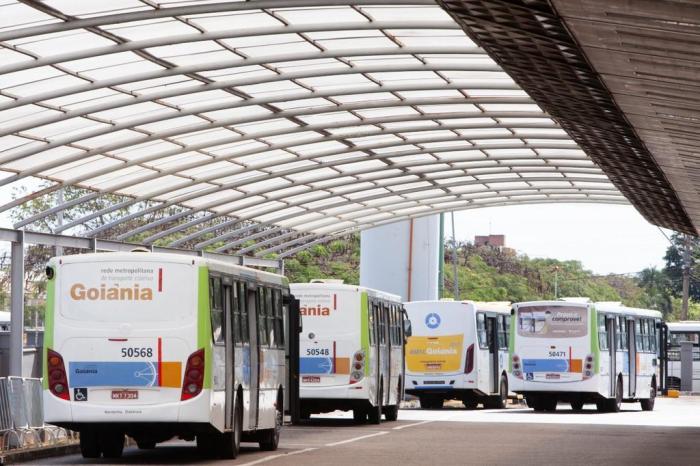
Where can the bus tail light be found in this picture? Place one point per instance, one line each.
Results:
(58, 381)
(357, 369)
(469, 363)
(588, 367)
(517, 368)
(193, 381)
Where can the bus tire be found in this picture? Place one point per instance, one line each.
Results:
(500, 401)
(550, 403)
(470, 403)
(359, 415)
(270, 438)
(576, 405)
(375, 412)
(112, 444)
(648, 404)
(615, 404)
(391, 413)
(89, 444)
(231, 443)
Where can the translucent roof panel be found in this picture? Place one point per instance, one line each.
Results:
(281, 123)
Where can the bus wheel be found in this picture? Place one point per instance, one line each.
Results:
(112, 444)
(231, 444)
(391, 413)
(359, 415)
(550, 404)
(375, 412)
(501, 401)
(648, 404)
(577, 405)
(270, 439)
(89, 445)
(614, 404)
(470, 403)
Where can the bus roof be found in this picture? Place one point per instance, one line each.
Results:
(617, 308)
(684, 326)
(495, 306)
(172, 258)
(345, 287)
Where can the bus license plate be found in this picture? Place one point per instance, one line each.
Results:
(125, 395)
(311, 379)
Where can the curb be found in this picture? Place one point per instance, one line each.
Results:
(19, 456)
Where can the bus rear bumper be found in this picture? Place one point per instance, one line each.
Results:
(58, 411)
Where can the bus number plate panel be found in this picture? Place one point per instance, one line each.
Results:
(311, 379)
(125, 394)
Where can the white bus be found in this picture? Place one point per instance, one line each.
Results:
(580, 352)
(458, 351)
(156, 346)
(677, 333)
(351, 350)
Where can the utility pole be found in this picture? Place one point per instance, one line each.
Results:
(454, 259)
(686, 276)
(556, 282)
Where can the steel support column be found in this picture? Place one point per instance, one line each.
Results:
(17, 306)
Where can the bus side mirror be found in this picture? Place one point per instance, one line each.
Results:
(407, 330)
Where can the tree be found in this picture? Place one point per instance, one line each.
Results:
(657, 290)
(674, 266)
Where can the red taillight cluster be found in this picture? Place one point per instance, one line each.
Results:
(193, 380)
(357, 371)
(588, 367)
(517, 369)
(58, 381)
(469, 363)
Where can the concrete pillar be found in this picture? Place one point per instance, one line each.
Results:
(402, 258)
(686, 366)
(17, 306)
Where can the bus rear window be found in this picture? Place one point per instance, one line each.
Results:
(552, 321)
(113, 292)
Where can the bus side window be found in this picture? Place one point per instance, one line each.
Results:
(235, 314)
(216, 302)
(261, 314)
(371, 323)
(279, 317)
(621, 330)
(481, 331)
(502, 335)
(602, 333)
(243, 309)
(270, 314)
(652, 336)
(382, 324)
(506, 322)
(639, 335)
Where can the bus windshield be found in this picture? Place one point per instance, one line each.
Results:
(552, 321)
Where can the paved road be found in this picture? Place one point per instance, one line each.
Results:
(457, 437)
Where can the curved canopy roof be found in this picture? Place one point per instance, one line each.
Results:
(269, 125)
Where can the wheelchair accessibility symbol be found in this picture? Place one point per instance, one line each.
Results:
(80, 394)
(432, 320)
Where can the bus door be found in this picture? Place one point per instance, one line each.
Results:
(385, 353)
(492, 339)
(229, 338)
(254, 359)
(632, 354)
(373, 357)
(612, 346)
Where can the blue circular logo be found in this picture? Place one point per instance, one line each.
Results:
(432, 320)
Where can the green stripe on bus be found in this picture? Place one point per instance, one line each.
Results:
(364, 327)
(48, 326)
(204, 323)
(511, 341)
(594, 339)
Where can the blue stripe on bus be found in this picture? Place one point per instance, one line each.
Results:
(109, 374)
(545, 365)
(316, 365)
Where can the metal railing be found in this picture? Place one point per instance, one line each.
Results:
(22, 416)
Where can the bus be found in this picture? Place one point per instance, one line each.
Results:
(458, 351)
(581, 352)
(156, 346)
(679, 332)
(351, 350)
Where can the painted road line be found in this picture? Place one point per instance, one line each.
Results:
(270, 458)
(411, 425)
(355, 439)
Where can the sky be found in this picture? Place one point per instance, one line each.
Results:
(604, 238)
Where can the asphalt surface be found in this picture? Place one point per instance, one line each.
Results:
(454, 436)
